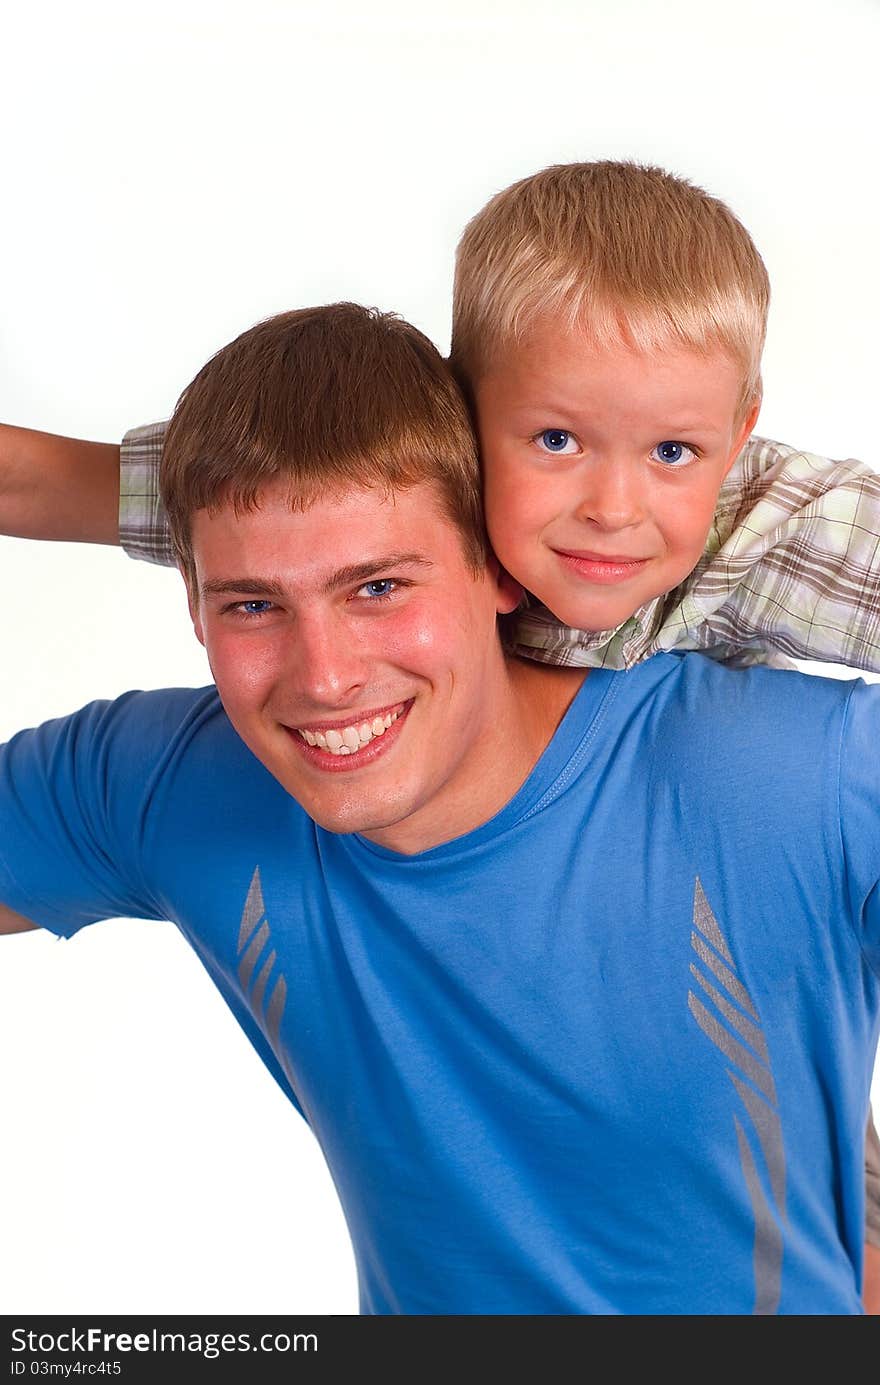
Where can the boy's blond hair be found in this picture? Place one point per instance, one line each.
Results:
(622, 251)
(321, 399)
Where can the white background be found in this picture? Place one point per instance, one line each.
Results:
(172, 173)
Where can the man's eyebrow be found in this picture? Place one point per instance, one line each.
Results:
(354, 573)
(248, 586)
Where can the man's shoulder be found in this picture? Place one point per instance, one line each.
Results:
(130, 740)
(139, 710)
(151, 731)
(749, 707)
(152, 769)
(694, 672)
(138, 718)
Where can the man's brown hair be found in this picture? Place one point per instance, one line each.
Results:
(621, 251)
(323, 399)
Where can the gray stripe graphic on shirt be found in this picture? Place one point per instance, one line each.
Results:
(765, 1181)
(767, 1253)
(274, 1013)
(769, 1129)
(724, 974)
(730, 1047)
(248, 960)
(253, 912)
(708, 924)
(735, 1018)
(259, 991)
(254, 936)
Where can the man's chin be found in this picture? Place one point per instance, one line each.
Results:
(331, 800)
(364, 815)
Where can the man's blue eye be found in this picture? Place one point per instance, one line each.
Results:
(556, 439)
(672, 452)
(255, 608)
(383, 586)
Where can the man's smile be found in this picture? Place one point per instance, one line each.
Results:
(349, 744)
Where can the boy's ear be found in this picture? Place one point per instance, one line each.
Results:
(745, 429)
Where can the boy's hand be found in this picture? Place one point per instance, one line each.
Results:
(53, 487)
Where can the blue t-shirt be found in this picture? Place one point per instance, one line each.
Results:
(609, 1053)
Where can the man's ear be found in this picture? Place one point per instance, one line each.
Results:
(192, 601)
(744, 431)
(510, 593)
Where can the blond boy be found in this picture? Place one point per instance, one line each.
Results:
(625, 310)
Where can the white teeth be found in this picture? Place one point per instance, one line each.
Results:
(348, 739)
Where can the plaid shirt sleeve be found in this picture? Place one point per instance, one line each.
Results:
(790, 571)
(143, 532)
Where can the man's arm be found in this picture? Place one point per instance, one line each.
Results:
(871, 1292)
(53, 487)
(13, 923)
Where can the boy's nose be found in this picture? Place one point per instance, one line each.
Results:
(611, 495)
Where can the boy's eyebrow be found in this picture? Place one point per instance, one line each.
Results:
(342, 577)
(686, 423)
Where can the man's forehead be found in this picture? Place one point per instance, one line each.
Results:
(279, 543)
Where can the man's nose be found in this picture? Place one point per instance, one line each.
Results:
(327, 661)
(612, 494)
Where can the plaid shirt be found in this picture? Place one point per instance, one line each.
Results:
(790, 569)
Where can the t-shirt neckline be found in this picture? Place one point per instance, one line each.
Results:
(558, 763)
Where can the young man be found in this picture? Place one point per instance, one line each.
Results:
(342, 830)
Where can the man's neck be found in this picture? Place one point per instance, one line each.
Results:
(544, 693)
(529, 703)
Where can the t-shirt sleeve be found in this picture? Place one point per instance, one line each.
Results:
(143, 529)
(859, 797)
(74, 794)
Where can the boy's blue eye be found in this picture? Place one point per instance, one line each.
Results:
(557, 440)
(672, 453)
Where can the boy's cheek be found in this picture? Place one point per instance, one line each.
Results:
(697, 514)
(517, 501)
(513, 524)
